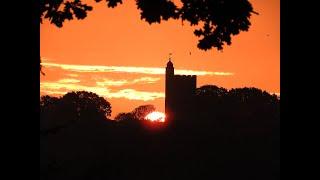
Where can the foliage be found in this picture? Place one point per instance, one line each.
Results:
(124, 117)
(220, 19)
(138, 113)
(73, 107)
(142, 111)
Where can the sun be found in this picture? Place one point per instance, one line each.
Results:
(156, 116)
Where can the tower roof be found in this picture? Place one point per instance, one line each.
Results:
(169, 64)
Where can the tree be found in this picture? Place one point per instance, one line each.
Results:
(124, 117)
(211, 91)
(138, 113)
(47, 102)
(210, 105)
(49, 115)
(220, 19)
(237, 110)
(142, 111)
(87, 103)
(73, 107)
(252, 96)
(210, 99)
(253, 109)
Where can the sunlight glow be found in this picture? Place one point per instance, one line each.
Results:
(156, 116)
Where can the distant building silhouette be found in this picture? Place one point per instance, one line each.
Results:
(180, 93)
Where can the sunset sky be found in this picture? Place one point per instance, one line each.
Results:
(122, 58)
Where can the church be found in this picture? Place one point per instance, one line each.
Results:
(179, 94)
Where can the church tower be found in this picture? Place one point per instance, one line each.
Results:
(169, 90)
(180, 94)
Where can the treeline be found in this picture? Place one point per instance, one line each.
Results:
(229, 134)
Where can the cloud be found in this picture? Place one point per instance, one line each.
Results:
(68, 81)
(148, 80)
(137, 95)
(143, 80)
(109, 82)
(128, 69)
(58, 88)
(73, 75)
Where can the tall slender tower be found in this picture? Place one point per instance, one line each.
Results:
(169, 90)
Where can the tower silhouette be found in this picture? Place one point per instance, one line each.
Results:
(180, 92)
(169, 91)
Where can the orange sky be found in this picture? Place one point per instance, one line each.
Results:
(120, 55)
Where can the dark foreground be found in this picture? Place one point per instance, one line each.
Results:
(136, 151)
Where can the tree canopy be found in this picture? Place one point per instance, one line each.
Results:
(143, 110)
(83, 101)
(74, 107)
(124, 117)
(137, 114)
(220, 19)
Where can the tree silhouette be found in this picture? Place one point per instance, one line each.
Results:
(51, 119)
(57, 11)
(210, 100)
(143, 110)
(83, 101)
(124, 117)
(211, 91)
(253, 109)
(74, 107)
(138, 113)
(220, 19)
(46, 102)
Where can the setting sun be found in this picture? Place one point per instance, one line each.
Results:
(156, 116)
